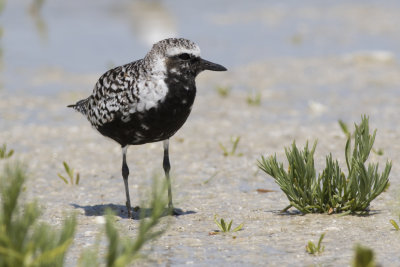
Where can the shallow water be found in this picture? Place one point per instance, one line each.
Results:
(58, 37)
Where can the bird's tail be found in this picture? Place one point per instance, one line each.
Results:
(81, 106)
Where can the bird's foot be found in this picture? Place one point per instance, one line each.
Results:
(129, 209)
(175, 211)
(136, 209)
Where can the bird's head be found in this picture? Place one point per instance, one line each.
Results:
(180, 56)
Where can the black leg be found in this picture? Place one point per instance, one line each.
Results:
(125, 174)
(167, 167)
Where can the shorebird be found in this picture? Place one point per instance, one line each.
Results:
(147, 100)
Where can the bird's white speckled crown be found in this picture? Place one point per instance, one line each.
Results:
(173, 46)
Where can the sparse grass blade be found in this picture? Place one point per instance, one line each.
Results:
(235, 143)
(238, 228)
(218, 223)
(225, 151)
(223, 225)
(63, 178)
(68, 170)
(395, 225)
(230, 225)
(77, 179)
(223, 91)
(254, 99)
(319, 247)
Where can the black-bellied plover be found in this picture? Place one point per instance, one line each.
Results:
(147, 100)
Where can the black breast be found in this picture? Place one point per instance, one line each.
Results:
(158, 123)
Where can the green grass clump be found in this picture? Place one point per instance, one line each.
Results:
(4, 154)
(24, 241)
(232, 151)
(331, 191)
(226, 227)
(315, 249)
(363, 257)
(73, 179)
(121, 251)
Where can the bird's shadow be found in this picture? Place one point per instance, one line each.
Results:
(121, 211)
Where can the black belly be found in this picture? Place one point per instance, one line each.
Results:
(156, 124)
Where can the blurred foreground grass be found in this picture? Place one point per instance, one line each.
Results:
(24, 241)
(27, 241)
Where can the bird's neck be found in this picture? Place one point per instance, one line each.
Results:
(180, 82)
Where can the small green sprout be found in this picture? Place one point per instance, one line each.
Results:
(364, 257)
(395, 225)
(315, 249)
(70, 173)
(254, 99)
(234, 142)
(4, 154)
(224, 227)
(223, 91)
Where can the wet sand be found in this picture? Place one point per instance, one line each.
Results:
(302, 99)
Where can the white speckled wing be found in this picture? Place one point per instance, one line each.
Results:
(125, 90)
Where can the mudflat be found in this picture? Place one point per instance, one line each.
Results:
(301, 99)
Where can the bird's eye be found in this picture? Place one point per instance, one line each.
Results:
(184, 56)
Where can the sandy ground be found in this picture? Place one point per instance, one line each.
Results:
(301, 100)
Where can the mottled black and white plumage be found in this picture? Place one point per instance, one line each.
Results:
(147, 100)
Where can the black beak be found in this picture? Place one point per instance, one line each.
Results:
(207, 65)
